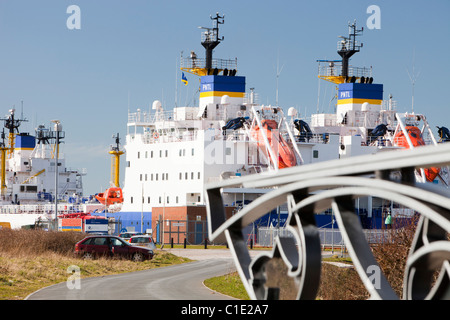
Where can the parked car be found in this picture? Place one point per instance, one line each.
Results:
(127, 235)
(110, 246)
(143, 241)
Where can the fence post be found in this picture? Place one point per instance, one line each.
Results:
(206, 243)
(171, 243)
(185, 243)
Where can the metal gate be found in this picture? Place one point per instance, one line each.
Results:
(179, 231)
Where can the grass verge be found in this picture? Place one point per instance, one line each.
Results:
(31, 259)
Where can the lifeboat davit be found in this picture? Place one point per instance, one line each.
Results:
(110, 196)
(286, 157)
(416, 138)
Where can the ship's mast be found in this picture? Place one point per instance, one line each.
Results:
(115, 152)
(211, 39)
(338, 71)
(12, 124)
(3, 150)
(348, 46)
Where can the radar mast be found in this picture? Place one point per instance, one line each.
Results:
(210, 39)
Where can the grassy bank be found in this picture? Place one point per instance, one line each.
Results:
(32, 259)
(336, 283)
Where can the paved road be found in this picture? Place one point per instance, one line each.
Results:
(178, 282)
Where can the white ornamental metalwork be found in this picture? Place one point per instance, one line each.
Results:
(311, 189)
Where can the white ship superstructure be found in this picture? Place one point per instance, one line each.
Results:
(28, 176)
(171, 155)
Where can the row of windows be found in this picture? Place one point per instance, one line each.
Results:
(165, 153)
(165, 176)
(160, 200)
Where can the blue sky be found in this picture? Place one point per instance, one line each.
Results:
(131, 49)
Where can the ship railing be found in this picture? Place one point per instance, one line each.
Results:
(200, 63)
(164, 137)
(146, 118)
(63, 208)
(348, 44)
(317, 138)
(139, 116)
(232, 135)
(389, 105)
(335, 70)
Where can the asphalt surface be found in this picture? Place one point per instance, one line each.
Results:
(178, 282)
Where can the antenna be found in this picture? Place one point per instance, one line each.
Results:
(348, 46)
(211, 39)
(278, 75)
(413, 78)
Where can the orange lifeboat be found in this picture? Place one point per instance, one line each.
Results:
(416, 138)
(286, 157)
(110, 196)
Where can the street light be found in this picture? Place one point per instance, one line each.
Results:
(57, 129)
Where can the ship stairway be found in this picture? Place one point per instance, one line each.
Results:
(33, 176)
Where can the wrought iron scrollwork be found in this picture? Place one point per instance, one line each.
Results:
(335, 185)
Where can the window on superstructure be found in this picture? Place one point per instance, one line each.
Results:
(139, 154)
(162, 176)
(159, 199)
(192, 151)
(148, 199)
(146, 154)
(181, 176)
(151, 154)
(192, 176)
(186, 176)
(198, 176)
(151, 177)
(184, 152)
(167, 199)
(128, 164)
(179, 153)
(167, 176)
(145, 177)
(167, 153)
(131, 200)
(156, 177)
(140, 176)
(198, 200)
(176, 199)
(160, 153)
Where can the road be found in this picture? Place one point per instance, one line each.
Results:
(178, 282)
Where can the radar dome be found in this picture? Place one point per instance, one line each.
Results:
(225, 99)
(292, 112)
(156, 105)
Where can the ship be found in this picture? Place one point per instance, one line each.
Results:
(31, 168)
(172, 154)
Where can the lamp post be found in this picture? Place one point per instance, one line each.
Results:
(57, 130)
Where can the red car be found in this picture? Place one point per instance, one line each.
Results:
(110, 246)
